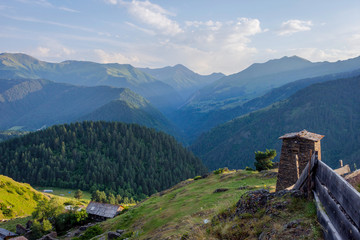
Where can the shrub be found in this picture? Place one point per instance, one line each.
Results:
(248, 169)
(90, 233)
(8, 212)
(221, 170)
(9, 191)
(197, 177)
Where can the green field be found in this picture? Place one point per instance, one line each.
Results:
(64, 192)
(17, 199)
(180, 209)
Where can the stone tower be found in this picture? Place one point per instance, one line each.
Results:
(296, 151)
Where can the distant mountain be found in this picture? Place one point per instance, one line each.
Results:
(194, 122)
(35, 103)
(185, 81)
(91, 74)
(261, 77)
(126, 159)
(331, 108)
(231, 95)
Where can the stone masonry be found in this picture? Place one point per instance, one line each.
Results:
(296, 151)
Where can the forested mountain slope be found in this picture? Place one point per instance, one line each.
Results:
(126, 159)
(331, 108)
(34, 103)
(194, 122)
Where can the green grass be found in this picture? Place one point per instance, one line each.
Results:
(20, 198)
(11, 224)
(176, 211)
(65, 192)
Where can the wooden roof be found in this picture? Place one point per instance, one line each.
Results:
(103, 209)
(5, 233)
(303, 134)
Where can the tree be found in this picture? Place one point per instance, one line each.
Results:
(47, 210)
(111, 198)
(78, 194)
(264, 159)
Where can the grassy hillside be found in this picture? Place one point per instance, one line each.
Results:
(190, 209)
(330, 108)
(17, 199)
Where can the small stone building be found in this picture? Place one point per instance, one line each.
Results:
(103, 211)
(296, 151)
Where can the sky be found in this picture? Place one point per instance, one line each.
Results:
(204, 35)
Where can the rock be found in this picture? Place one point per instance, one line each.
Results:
(292, 224)
(205, 175)
(20, 230)
(83, 228)
(221, 190)
(113, 235)
(120, 231)
(29, 224)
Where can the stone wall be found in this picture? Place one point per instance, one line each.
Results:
(295, 154)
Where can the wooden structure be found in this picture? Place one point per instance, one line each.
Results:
(103, 211)
(338, 203)
(296, 151)
(5, 234)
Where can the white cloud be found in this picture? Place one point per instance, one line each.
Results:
(51, 49)
(152, 15)
(106, 57)
(326, 54)
(68, 9)
(293, 26)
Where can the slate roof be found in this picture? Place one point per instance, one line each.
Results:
(103, 209)
(303, 134)
(4, 233)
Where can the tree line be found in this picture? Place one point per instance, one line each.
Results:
(125, 159)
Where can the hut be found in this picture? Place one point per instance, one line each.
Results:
(5, 234)
(296, 152)
(103, 211)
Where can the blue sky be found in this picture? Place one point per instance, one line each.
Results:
(204, 35)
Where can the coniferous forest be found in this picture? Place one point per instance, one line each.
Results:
(125, 159)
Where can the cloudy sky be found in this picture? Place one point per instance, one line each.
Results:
(204, 35)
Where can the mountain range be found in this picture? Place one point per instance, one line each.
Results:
(160, 93)
(232, 95)
(331, 108)
(182, 79)
(216, 108)
(36, 103)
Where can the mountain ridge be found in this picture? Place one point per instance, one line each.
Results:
(330, 108)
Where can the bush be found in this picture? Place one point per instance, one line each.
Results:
(90, 233)
(248, 169)
(8, 212)
(197, 177)
(221, 170)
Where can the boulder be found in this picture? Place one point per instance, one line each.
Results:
(221, 190)
(113, 235)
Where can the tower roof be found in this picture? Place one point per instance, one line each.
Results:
(303, 134)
